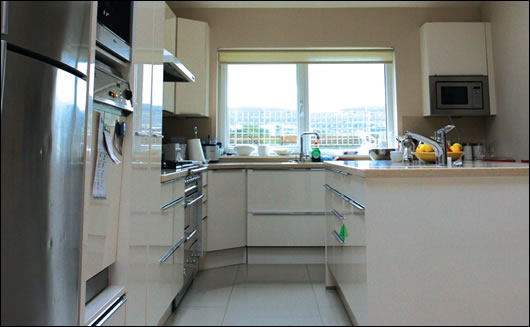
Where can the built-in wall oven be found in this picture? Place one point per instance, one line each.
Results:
(113, 31)
(459, 95)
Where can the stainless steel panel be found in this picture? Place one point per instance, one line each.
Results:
(42, 156)
(56, 29)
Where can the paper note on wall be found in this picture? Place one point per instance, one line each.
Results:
(99, 187)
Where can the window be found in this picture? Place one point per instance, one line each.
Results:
(271, 97)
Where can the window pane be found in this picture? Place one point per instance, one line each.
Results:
(347, 105)
(261, 102)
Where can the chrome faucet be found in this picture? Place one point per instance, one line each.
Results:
(439, 144)
(302, 155)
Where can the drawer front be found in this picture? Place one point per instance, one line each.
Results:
(286, 230)
(296, 190)
(353, 187)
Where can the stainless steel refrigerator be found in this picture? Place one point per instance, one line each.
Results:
(43, 101)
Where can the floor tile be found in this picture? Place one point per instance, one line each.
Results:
(201, 297)
(215, 278)
(262, 275)
(272, 303)
(196, 316)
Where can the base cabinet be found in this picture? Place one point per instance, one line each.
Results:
(285, 207)
(428, 264)
(226, 203)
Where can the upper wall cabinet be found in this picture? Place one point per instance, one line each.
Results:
(189, 40)
(193, 49)
(456, 49)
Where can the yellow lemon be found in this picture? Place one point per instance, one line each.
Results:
(420, 148)
(427, 148)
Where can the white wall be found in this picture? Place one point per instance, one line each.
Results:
(509, 129)
(338, 27)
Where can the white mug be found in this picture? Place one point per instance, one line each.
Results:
(468, 152)
(263, 150)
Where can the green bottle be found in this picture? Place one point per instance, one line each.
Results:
(315, 153)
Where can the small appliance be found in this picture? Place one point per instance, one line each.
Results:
(459, 95)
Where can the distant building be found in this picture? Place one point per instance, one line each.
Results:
(346, 128)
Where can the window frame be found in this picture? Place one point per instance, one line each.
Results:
(303, 107)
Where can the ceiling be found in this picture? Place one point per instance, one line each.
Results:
(321, 4)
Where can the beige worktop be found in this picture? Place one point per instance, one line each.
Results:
(171, 174)
(386, 168)
(265, 165)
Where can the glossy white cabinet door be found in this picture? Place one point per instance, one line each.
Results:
(226, 209)
(102, 215)
(454, 48)
(296, 190)
(193, 50)
(285, 208)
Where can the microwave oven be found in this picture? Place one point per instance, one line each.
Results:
(459, 95)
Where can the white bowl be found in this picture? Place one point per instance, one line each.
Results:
(396, 156)
(244, 150)
(282, 152)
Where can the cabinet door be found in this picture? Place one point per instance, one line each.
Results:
(193, 39)
(102, 215)
(454, 48)
(226, 209)
(170, 42)
(285, 208)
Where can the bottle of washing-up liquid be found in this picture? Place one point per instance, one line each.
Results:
(315, 153)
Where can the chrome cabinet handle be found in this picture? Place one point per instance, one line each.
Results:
(198, 170)
(172, 203)
(337, 236)
(172, 250)
(194, 200)
(354, 203)
(337, 214)
(333, 190)
(335, 170)
(115, 307)
(192, 234)
(346, 198)
(287, 213)
(158, 136)
(144, 134)
(190, 189)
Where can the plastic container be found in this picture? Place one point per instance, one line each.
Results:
(315, 153)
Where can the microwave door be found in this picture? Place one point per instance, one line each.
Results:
(453, 96)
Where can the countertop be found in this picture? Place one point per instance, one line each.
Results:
(265, 165)
(387, 168)
(167, 175)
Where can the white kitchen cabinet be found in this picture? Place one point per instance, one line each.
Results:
(456, 49)
(226, 227)
(406, 247)
(170, 42)
(193, 50)
(285, 207)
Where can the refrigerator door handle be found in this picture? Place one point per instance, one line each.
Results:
(4, 55)
(4, 17)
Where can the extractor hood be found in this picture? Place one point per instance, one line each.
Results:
(174, 70)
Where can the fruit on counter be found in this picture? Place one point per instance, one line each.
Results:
(460, 145)
(424, 148)
(456, 148)
(449, 147)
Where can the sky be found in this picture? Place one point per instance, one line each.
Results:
(331, 86)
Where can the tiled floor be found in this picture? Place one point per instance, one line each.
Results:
(260, 295)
